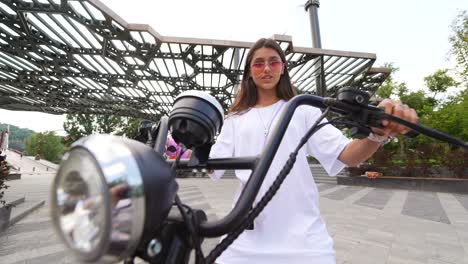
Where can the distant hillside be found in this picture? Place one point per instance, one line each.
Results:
(17, 136)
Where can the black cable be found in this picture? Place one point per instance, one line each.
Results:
(176, 162)
(270, 193)
(191, 223)
(190, 219)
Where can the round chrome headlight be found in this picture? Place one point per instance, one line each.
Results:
(110, 192)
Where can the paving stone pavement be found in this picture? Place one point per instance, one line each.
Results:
(368, 225)
(33, 239)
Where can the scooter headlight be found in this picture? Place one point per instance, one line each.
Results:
(81, 200)
(103, 193)
(196, 118)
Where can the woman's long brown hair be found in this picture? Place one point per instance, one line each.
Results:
(247, 95)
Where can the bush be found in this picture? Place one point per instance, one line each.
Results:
(47, 145)
(398, 162)
(382, 157)
(360, 170)
(457, 161)
(4, 171)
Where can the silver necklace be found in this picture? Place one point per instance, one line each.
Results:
(268, 125)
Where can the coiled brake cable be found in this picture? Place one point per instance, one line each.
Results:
(190, 220)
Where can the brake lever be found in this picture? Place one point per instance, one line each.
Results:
(354, 104)
(363, 118)
(364, 115)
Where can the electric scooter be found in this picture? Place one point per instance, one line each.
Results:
(116, 199)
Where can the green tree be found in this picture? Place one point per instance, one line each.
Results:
(48, 145)
(78, 125)
(443, 115)
(30, 144)
(81, 125)
(448, 115)
(451, 117)
(108, 124)
(423, 102)
(439, 82)
(130, 127)
(17, 136)
(418, 100)
(459, 41)
(390, 87)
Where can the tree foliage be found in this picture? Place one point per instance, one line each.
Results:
(390, 87)
(48, 145)
(451, 117)
(130, 127)
(448, 115)
(439, 82)
(81, 125)
(78, 125)
(418, 100)
(17, 136)
(459, 41)
(107, 124)
(424, 102)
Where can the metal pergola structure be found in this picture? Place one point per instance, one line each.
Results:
(64, 56)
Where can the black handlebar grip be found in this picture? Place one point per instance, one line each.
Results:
(412, 133)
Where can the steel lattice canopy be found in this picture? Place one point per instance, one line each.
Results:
(60, 56)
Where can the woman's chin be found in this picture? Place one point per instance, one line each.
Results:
(267, 87)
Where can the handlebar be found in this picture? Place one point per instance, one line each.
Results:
(242, 163)
(372, 116)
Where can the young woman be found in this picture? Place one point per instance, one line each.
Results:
(289, 229)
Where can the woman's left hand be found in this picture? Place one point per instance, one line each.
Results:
(400, 110)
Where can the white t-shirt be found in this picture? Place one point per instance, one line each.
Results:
(290, 229)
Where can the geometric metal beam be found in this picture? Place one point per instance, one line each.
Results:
(59, 56)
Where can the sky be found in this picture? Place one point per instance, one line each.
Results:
(411, 34)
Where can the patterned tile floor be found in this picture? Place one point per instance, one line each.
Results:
(368, 225)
